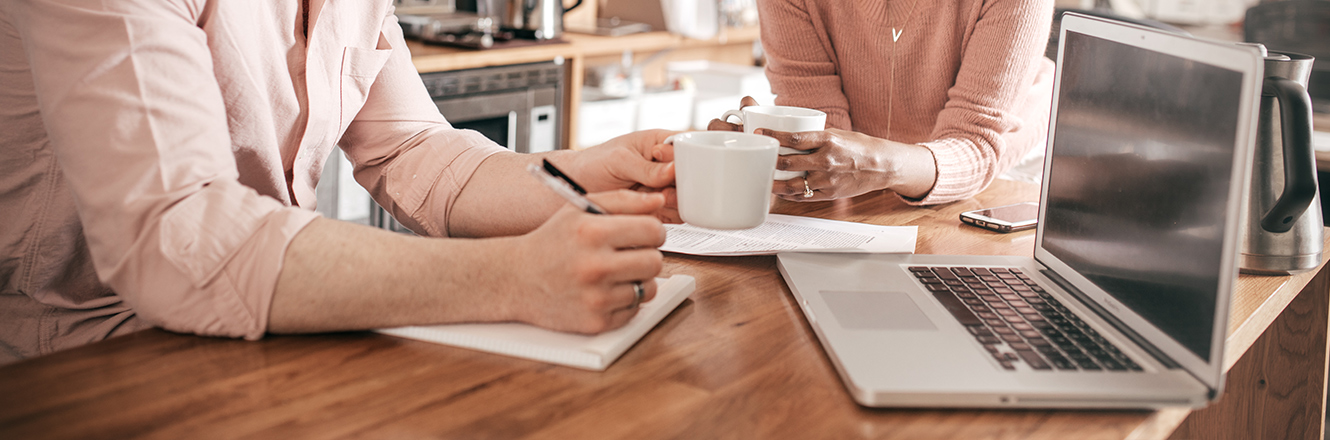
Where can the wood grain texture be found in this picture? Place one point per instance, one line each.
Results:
(1278, 388)
(736, 360)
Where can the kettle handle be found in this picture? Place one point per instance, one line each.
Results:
(1299, 167)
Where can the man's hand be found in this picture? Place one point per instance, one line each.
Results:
(628, 162)
(576, 271)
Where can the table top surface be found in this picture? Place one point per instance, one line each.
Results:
(735, 360)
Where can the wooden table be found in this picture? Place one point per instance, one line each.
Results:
(736, 360)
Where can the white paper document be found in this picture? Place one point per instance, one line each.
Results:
(788, 233)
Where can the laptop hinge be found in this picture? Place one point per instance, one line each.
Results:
(1112, 320)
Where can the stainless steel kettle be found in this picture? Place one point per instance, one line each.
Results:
(536, 19)
(1284, 225)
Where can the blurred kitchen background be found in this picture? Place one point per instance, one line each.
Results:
(538, 75)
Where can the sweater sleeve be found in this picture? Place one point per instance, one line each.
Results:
(997, 109)
(801, 63)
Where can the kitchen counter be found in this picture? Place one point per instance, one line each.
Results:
(432, 58)
(577, 49)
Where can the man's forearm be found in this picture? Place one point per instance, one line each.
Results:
(342, 276)
(502, 199)
(576, 272)
(567, 270)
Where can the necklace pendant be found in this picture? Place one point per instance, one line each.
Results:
(895, 34)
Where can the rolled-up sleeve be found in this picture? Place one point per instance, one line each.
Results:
(136, 119)
(409, 158)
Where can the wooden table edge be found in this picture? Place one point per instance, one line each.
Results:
(1241, 338)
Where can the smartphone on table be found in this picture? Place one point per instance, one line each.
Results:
(1008, 218)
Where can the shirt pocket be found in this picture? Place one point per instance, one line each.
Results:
(359, 69)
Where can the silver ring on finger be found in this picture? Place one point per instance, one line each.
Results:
(638, 293)
(808, 192)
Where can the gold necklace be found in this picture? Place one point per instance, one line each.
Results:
(895, 36)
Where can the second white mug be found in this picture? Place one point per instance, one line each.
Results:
(780, 118)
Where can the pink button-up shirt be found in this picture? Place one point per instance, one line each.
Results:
(157, 157)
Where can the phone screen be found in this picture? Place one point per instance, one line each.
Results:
(1021, 212)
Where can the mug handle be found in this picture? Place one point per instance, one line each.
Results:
(736, 113)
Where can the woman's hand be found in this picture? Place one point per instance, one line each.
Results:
(576, 271)
(846, 164)
(722, 125)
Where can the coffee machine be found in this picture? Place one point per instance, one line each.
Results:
(537, 20)
(1284, 231)
(486, 24)
(443, 22)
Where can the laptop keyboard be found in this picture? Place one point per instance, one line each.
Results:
(1017, 321)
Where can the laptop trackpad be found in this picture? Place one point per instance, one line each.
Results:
(876, 311)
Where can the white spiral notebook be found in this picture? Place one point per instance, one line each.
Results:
(591, 352)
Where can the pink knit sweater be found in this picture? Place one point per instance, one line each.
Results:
(971, 83)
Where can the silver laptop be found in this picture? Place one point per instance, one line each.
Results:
(1126, 301)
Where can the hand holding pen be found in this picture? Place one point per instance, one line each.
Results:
(604, 266)
(564, 186)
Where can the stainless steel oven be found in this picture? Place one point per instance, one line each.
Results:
(517, 106)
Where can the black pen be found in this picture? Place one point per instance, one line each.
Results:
(564, 186)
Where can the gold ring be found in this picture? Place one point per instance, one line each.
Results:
(808, 192)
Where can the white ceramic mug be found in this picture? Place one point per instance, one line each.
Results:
(780, 118)
(723, 178)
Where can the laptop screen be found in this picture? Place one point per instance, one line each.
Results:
(1139, 177)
